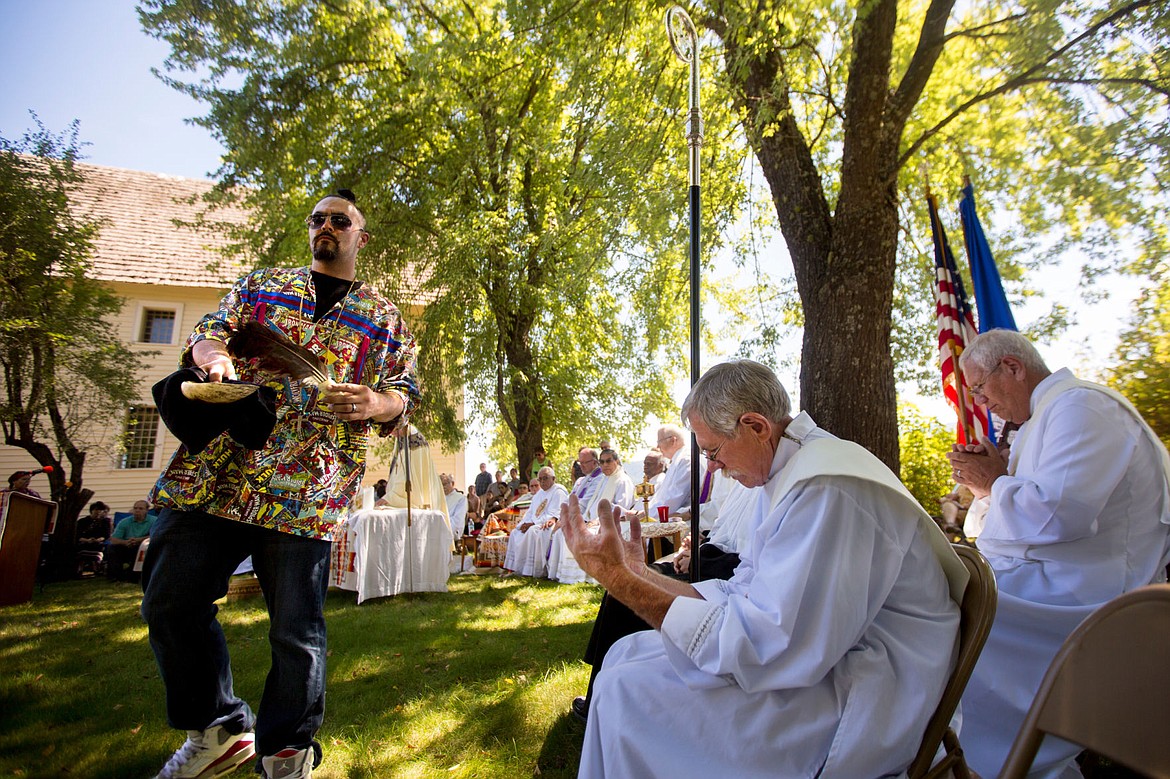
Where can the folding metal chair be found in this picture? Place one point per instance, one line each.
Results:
(1106, 688)
(977, 612)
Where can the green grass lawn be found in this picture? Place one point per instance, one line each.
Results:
(475, 682)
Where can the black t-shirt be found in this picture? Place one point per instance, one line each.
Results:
(330, 289)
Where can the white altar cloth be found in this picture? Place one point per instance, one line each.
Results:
(370, 547)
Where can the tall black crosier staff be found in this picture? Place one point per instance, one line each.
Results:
(684, 39)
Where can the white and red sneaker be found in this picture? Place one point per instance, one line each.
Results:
(288, 764)
(209, 753)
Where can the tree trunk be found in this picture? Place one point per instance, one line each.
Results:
(518, 391)
(844, 260)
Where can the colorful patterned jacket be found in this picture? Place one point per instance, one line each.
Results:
(301, 482)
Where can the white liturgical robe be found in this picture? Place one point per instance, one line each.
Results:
(674, 491)
(457, 513)
(824, 655)
(528, 549)
(588, 491)
(1079, 519)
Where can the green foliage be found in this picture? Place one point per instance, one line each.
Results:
(62, 362)
(474, 682)
(520, 165)
(1057, 110)
(1142, 371)
(924, 443)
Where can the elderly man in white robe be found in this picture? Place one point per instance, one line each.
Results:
(674, 491)
(617, 489)
(827, 651)
(456, 506)
(528, 543)
(1077, 516)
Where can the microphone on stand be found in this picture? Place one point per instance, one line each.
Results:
(46, 469)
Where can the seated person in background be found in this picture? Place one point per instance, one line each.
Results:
(1077, 516)
(654, 466)
(827, 651)
(93, 533)
(603, 482)
(618, 487)
(674, 491)
(124, 543)
(528, 543)
(514, 480)
(502, 520)
(456, 506)
(734, 506)
(379, 489)
(473, 509)
(954, 507)
(496, 496)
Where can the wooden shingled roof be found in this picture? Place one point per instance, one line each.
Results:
(151, 232)
(148, 234)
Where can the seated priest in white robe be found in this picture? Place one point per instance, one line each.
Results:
(611, 484)
(528, 543)
(456, 506)
(1077, 516)
(826, 652)
(674, 490)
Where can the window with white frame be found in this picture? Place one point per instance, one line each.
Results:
(158, 326)
(140, 438)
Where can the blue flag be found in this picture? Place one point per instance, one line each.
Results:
(990, 300)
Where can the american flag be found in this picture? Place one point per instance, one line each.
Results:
(956, 328)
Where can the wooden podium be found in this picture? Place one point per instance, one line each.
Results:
(24, 521)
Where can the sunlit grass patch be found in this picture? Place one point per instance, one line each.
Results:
(475, 682)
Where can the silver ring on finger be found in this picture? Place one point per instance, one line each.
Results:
(353, 408)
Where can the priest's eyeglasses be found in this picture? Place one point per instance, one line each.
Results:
(977, 389)
(340, 222)
(713, 454)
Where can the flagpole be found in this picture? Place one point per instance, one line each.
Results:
(955, 350)
(677, 21)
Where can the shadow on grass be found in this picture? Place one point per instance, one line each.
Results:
(469, 683)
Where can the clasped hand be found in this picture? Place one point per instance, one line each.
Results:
(977, 466)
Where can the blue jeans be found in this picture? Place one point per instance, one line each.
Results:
(190, 558)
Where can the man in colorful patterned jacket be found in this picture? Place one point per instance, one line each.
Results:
(278, 503)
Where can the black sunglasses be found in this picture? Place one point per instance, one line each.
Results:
(317, 220)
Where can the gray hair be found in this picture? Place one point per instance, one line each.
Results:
(546, 469)
(987, 350)
(731, 389)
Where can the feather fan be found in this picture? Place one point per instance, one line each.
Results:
(275, 354)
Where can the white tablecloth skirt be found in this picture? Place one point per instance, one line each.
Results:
(370, 553)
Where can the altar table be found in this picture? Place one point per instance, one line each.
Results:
(370, 552)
